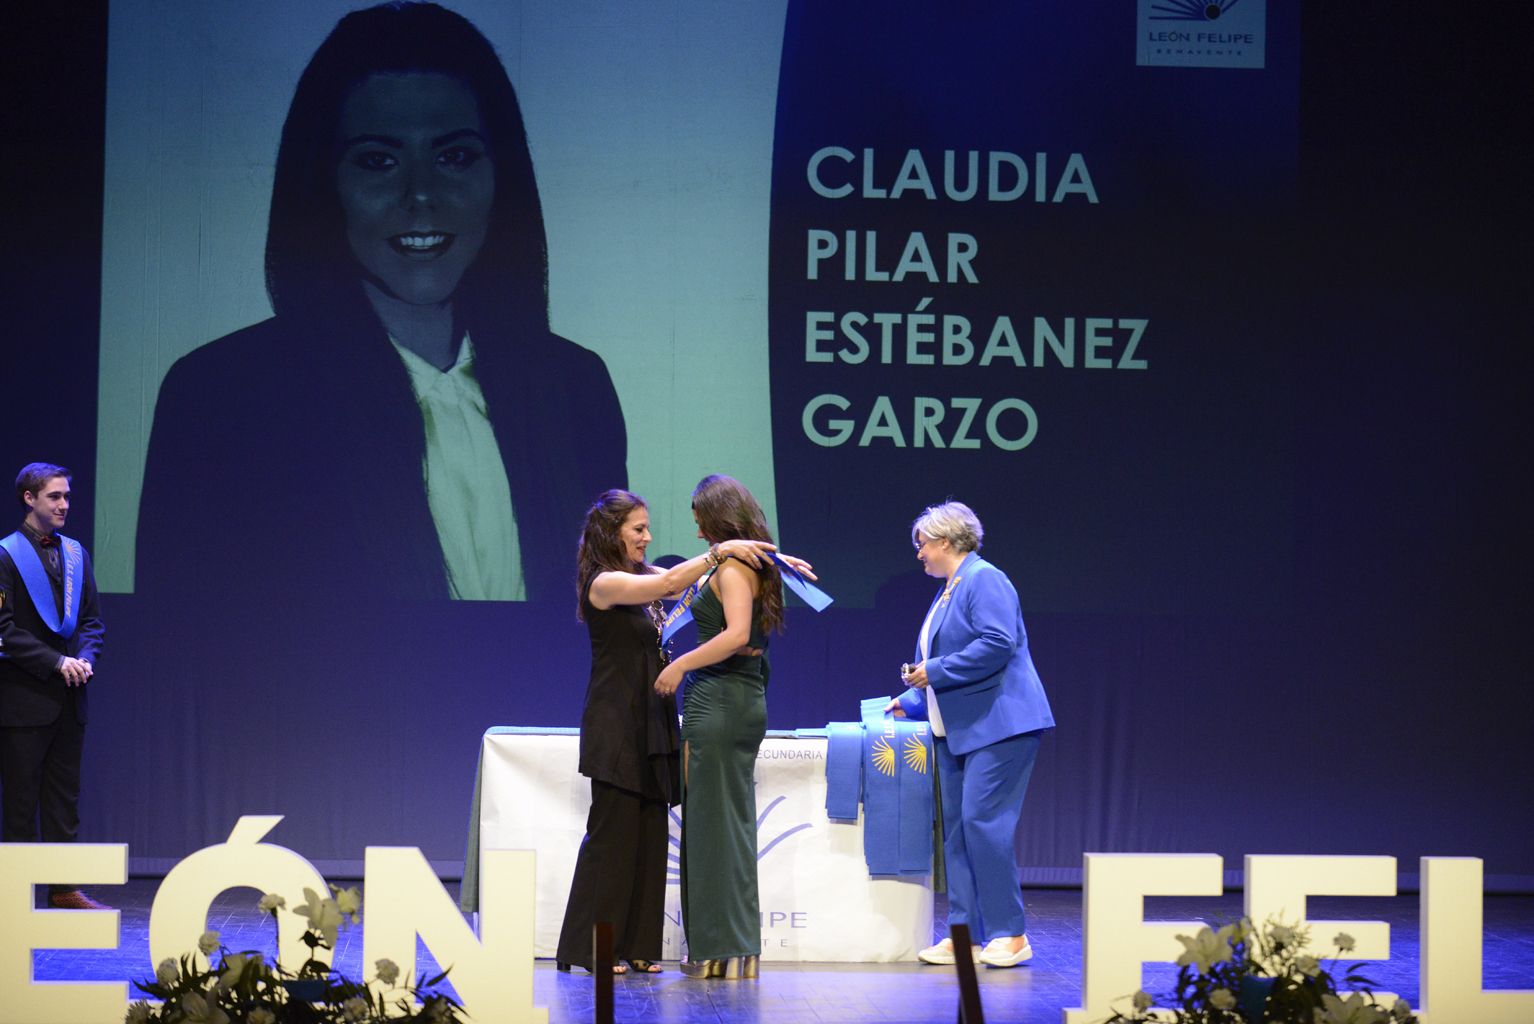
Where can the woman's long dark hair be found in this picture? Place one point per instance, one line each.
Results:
(727, 511)
(601, 546)
(310, 270)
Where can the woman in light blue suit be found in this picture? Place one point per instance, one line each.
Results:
(974, 681)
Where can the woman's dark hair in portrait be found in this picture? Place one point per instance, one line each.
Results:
(601, 546)
(727, 511)
(310, 270)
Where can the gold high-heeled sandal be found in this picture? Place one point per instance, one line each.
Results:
(741, 968)
(702, 968)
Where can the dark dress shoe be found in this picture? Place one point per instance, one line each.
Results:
(74, 899)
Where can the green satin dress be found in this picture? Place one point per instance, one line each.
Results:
(724, 717)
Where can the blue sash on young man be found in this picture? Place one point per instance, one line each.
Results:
(40, 587)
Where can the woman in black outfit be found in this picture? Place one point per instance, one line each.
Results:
(630, 747)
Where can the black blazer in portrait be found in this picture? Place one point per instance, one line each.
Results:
(32, 691)
(288, 456)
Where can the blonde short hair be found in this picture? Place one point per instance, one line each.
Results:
(952, 521)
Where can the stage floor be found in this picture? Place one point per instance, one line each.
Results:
(816, 993)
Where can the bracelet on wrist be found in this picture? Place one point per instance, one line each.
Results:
(713, 556)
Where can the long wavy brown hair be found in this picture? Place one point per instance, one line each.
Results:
(601, 545)
(727, 511)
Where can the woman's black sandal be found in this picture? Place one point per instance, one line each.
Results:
(564, 966)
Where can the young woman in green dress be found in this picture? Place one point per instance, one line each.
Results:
(724, 718)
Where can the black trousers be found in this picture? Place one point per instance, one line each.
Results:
(40, 774)
(620, 876)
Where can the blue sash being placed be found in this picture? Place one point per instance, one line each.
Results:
(794, 580)
(681, 612)
(892, 776)
(40, 587)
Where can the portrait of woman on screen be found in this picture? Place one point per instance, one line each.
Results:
(408, 371)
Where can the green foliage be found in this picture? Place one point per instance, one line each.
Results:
(244, 988)
(1242, 975)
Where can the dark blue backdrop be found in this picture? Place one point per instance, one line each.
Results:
(1360, 685)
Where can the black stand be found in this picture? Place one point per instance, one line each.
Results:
(602, 970)
(969, 987)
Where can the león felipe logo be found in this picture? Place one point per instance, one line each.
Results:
(1189, 10)
(1201, 33)
(915, 755)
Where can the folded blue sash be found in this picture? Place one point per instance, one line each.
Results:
(40, 588)
(886, 763)
(844, 770)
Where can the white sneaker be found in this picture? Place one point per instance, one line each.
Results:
(941, 954)
(998, 952)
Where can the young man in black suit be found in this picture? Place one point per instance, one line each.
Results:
(50, 640)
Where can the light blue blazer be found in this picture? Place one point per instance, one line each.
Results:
(978, 663)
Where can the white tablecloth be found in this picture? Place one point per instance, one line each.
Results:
(818, 902)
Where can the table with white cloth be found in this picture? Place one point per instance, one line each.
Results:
(818, 902)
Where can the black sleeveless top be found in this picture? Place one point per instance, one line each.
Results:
(629, 735)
